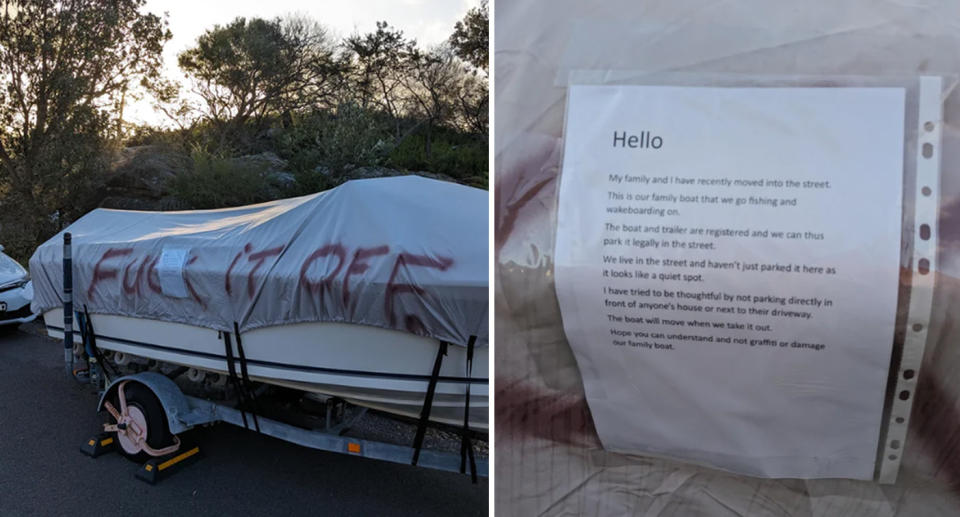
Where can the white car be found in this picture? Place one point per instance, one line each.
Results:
(16, 292)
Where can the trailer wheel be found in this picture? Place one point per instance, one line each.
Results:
(145, 409)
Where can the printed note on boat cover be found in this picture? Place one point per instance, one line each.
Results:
(170, 272)
(727, 267)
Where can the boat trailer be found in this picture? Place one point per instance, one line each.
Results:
(129, 431)
(183, 412)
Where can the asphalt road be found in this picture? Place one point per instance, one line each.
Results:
(45, 416)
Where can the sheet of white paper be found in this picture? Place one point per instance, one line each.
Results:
(727, 265)
(170, 272)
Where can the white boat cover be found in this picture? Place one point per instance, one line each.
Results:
(405, 253)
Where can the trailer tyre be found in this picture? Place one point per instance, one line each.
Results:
(158, 432)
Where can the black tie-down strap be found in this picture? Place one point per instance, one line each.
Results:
(232, 374)
(240, 384)
(89, 339)
(466, 446)
(89, 336)
(251, 393)
(428, 403)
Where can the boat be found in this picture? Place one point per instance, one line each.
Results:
(369, 292)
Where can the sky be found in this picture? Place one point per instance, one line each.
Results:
(430, 22)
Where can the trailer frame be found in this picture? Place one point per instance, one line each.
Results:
(184, 412)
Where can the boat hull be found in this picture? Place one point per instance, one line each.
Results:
(382, 369)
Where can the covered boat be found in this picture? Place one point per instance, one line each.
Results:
(350, 293)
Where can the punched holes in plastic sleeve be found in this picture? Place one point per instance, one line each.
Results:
(928, 169)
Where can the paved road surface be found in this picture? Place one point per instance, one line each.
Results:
(45, 417)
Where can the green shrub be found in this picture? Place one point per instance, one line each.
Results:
(216, 181)
(463, 157)
(322, 147)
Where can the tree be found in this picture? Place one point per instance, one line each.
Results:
(472, 104)
(248, 70)
(432, 86)
(380, 61)
(65, 68)
(470, 39)
(470, 42)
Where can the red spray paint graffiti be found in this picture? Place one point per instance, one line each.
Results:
(226, 279)
(193, 292)
(359, 266)
(315, 287)
(143, 270)
(405, 260)
(259, 258)
(134, 287)
(105, 274)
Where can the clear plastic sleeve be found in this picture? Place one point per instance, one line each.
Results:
(549, 460)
